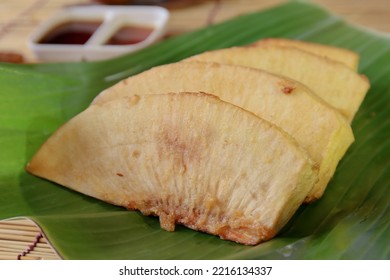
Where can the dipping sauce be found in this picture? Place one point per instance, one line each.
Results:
(71, 33)
(130, 35)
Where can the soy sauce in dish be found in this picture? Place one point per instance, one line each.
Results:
(71, 33)
(130, 35)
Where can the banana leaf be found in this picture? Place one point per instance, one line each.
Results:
(351, 221)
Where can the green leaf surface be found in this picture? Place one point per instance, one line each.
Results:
(351, 221)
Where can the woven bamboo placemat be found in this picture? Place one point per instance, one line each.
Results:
(19, 18)
(21, 238)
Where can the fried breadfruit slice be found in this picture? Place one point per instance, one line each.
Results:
(338, 85)
(318, 128)
(189, 158)
(345, 56)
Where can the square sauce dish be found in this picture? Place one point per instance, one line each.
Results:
(88, 33)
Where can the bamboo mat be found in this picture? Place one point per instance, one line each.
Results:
(19, 18)
(21, 238)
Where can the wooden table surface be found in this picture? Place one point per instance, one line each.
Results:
(19, 18)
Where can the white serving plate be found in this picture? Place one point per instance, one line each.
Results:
(112, 18)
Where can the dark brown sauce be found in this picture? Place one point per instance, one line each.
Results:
(130, 35)
(71, 33)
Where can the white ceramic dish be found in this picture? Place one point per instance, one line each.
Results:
(112, 18)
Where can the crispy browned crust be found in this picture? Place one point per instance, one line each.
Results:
(239, 229)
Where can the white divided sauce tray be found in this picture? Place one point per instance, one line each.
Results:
(88, 33)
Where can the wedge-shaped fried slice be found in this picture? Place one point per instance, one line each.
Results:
(191, 159)
(320, 129)
(347, 57)
(338, 85)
